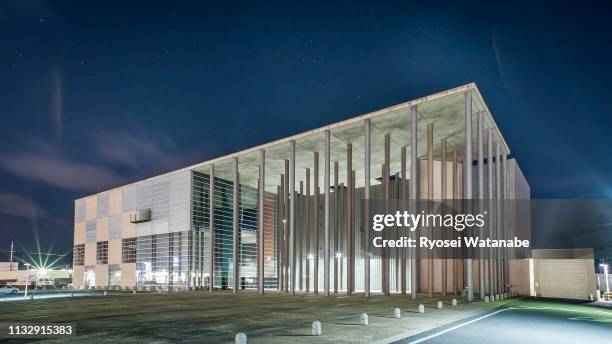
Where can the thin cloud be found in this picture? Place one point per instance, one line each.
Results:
(120, 156)
(60, 172)
(12, 204)
(138, 150)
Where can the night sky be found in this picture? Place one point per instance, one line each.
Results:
(94, 95)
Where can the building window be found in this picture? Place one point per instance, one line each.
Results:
(129, 251)
(79, 210)
(79, 255)
(102, 205)
(102, 252)
(114, 275)
(90, 231)
(114, 227)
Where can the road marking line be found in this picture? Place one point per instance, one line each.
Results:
(459, 326)
(499, 311)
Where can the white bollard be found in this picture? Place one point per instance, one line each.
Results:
(454, 302)
(397, 313)
(364, 319)
(316, 328)
(134, 291)
(496, 297)
(241, 338)
(440, 305)
(486, 298)
(421, 308)
(105, 293)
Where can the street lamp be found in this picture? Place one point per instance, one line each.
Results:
(27, 279)
(605, 269)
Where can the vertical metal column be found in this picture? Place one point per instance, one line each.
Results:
(480, 139)
(468, 181)
(430, 196)
(326, 214)
(443, 198)
(490, 206)
(414, 200)
(385, 183)
(235, 227)
(281, 234)
(308, 231)
(260, 225)
(455, 197)
(286, 220)
(506, 272)
(350, 240)
(299, 238)
(292, 215)
(316, 223)
(403, 269)
(211, 221)
(366, 215)
(500, 286)
(336, 228)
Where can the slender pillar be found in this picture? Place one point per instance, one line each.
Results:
(299, 238)
(430, 196)
(280, 217)
(414, 197)
(350, 241)
(326, 209)
(281, 234)
(235, 227)
(498, 167)
(490, 203)
(505, 224)
(308, 230)
(366, 197)
(403, 261)
(385, 182)
(292, 215)
(211, 221)
(286, 229)
(480, 139)
(455, 197)
(316, 223)
(468, 181)
(260, 225)
(443, 198)
(336, 228)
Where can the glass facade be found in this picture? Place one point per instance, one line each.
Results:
(164, 260)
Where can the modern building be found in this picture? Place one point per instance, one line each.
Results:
(287, 215)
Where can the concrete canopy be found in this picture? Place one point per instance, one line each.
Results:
(445, 110)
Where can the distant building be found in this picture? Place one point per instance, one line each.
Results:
(16, 277)
(8, 266)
